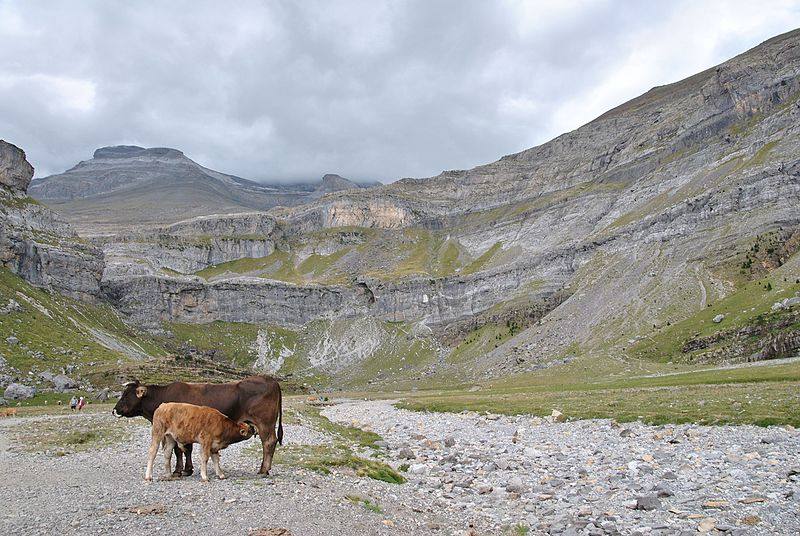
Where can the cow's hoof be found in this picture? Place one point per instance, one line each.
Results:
(147, 480)
(187, 472)
(177, 474)
(222, 477)
(204, 480)
(263, 474)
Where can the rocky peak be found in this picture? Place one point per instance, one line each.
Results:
(134, 151)
(15, 171)
(332, 182)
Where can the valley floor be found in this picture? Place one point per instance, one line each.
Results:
(82, 474)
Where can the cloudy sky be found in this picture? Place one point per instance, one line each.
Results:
(370, 90)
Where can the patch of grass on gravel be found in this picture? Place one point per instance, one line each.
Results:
(61, 436)
(366, 503)
(518, 530)
(338, 453)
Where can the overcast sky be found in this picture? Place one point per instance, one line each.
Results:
(369, 90)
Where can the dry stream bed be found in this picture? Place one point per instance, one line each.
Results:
(367, 467)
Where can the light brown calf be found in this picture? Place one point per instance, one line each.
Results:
(8, 412)
(175, 423)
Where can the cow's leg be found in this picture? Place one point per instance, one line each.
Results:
(204, 455)
(169, 445)
(269, 441)
(151, 456)
(178, 461)
(217, 468)
(188, 469)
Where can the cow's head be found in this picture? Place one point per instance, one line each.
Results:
(246, 429)
(130, 403)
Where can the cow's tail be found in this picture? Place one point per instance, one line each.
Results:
(280, 418)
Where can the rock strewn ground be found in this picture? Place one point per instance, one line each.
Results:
(101, 491)
(494, 472)
(594, 477)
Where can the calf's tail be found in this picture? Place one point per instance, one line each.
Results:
(280, 418)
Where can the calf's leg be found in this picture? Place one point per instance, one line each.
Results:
(204, 455)
(169, 445)
(217, 468)
(151, 456)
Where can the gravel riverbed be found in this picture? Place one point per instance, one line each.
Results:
(595, 476)
(495, 473)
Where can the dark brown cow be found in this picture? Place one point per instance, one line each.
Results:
(256, 399)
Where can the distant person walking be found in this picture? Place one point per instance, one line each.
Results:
(81, 403)
(73, 402)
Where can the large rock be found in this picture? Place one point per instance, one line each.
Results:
(63, 383)
(18, 391)
(15, 171)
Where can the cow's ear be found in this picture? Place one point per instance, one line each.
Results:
(141, 391)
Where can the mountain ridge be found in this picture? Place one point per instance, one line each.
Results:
(112, 189)
(655, 213)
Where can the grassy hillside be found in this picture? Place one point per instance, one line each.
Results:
(49, 331)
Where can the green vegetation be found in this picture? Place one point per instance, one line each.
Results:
(232, 340)
(760, 157)
(281, 265)
(480, 263)
(366, 503)
(519, 530)
(273, 263)
(56, 331)
(17, 202)
(757, 395)
(338, 453)
(484, 339)
(317, 265)
(740, 308)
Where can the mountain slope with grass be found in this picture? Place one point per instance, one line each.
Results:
(653, 214)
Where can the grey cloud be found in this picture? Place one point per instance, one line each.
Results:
(371, 90)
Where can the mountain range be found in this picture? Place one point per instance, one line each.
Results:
(134, 187)
(664, 230)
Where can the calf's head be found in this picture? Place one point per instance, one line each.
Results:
(130, 403)
(246, 429)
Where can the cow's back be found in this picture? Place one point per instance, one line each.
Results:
(231, 399)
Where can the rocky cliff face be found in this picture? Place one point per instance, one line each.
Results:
(35, 243)
(600, 238)
(635, 220)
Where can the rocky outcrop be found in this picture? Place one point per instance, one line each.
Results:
(333, 183)
(36, 244)
(150, 299)
(15, 172)
(191, 245)
(18, 391)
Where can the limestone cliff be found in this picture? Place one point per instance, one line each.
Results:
(599, 236)
(34, 242)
